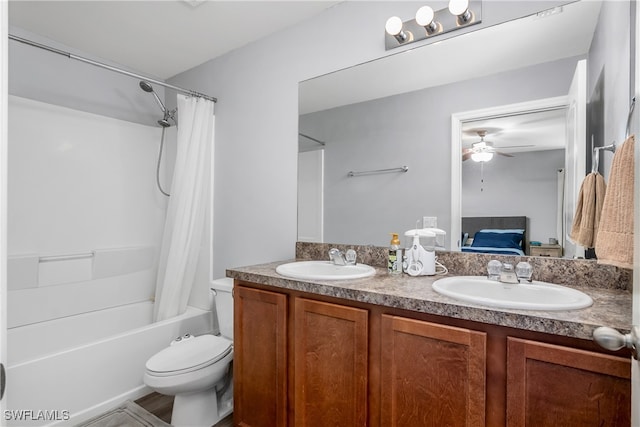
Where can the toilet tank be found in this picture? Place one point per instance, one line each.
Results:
(223, 298)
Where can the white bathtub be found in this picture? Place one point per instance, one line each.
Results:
(80, 366)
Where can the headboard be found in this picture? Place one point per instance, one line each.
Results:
(471, 224)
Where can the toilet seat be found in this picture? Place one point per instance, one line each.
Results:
(189, 355)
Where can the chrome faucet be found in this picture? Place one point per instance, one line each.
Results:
(341, 258)
(524, 271)
(508, 274)
(505, 273)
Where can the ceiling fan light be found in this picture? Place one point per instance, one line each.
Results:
(483, 156)
(480, 145)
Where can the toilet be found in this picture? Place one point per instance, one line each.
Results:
(197, 369)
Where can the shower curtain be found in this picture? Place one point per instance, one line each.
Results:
(186, 212)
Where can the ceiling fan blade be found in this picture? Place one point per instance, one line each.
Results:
(466, 156)
(517, 146)
(504, 154)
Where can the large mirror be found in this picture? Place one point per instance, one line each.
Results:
(385, 146)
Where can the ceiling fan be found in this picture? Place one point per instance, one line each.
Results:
(481, 151)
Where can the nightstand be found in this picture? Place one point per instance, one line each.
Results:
(546, 250)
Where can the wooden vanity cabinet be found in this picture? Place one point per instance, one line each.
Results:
(328, 360)
(309, 360)
(549, 385)
(330, 364)
(432, 375)
(260, 358)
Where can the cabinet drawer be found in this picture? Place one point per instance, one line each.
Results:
(542, 251)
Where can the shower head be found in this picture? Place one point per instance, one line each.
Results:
(146, 86)
(164, 123)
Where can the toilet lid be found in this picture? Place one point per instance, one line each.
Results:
(189, 354)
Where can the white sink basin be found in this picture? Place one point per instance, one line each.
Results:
(533, 296)
(324, 270)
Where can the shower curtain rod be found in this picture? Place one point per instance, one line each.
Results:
(111, 68)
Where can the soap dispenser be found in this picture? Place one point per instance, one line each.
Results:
(394, 265)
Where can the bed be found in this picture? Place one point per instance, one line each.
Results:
(504, 235)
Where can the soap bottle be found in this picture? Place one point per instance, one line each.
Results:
(394, 265)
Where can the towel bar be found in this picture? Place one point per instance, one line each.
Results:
(312, 139)
(596, 154)
(631, 108)
(611, 147)
(400, 169)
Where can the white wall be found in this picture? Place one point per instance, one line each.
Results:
(257, 115)
(80, 182)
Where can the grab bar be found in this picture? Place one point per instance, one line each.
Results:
(400, 169)
(68, 257)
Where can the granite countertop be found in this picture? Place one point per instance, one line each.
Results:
(611, 307)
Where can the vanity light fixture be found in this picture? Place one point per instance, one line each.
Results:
(424, 18)
(429, 23)
(460, 8)
(393, 27)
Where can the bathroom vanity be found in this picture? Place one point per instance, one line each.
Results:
(389, 351)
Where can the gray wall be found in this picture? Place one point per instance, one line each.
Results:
(55, 79)
(257, 118)
(610, 54)
(526, 184)
(412, 129)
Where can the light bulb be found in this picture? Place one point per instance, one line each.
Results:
(424, 16)
(483, 156)
(458, 7)
(393, 26)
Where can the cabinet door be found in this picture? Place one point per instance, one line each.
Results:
(549, 385)
(330, 364)
(432, 375)
(260, 358)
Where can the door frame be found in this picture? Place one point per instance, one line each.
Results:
(4, 92)
(457, 120)
(635, 126)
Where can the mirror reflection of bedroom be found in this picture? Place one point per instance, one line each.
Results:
(512, 192)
